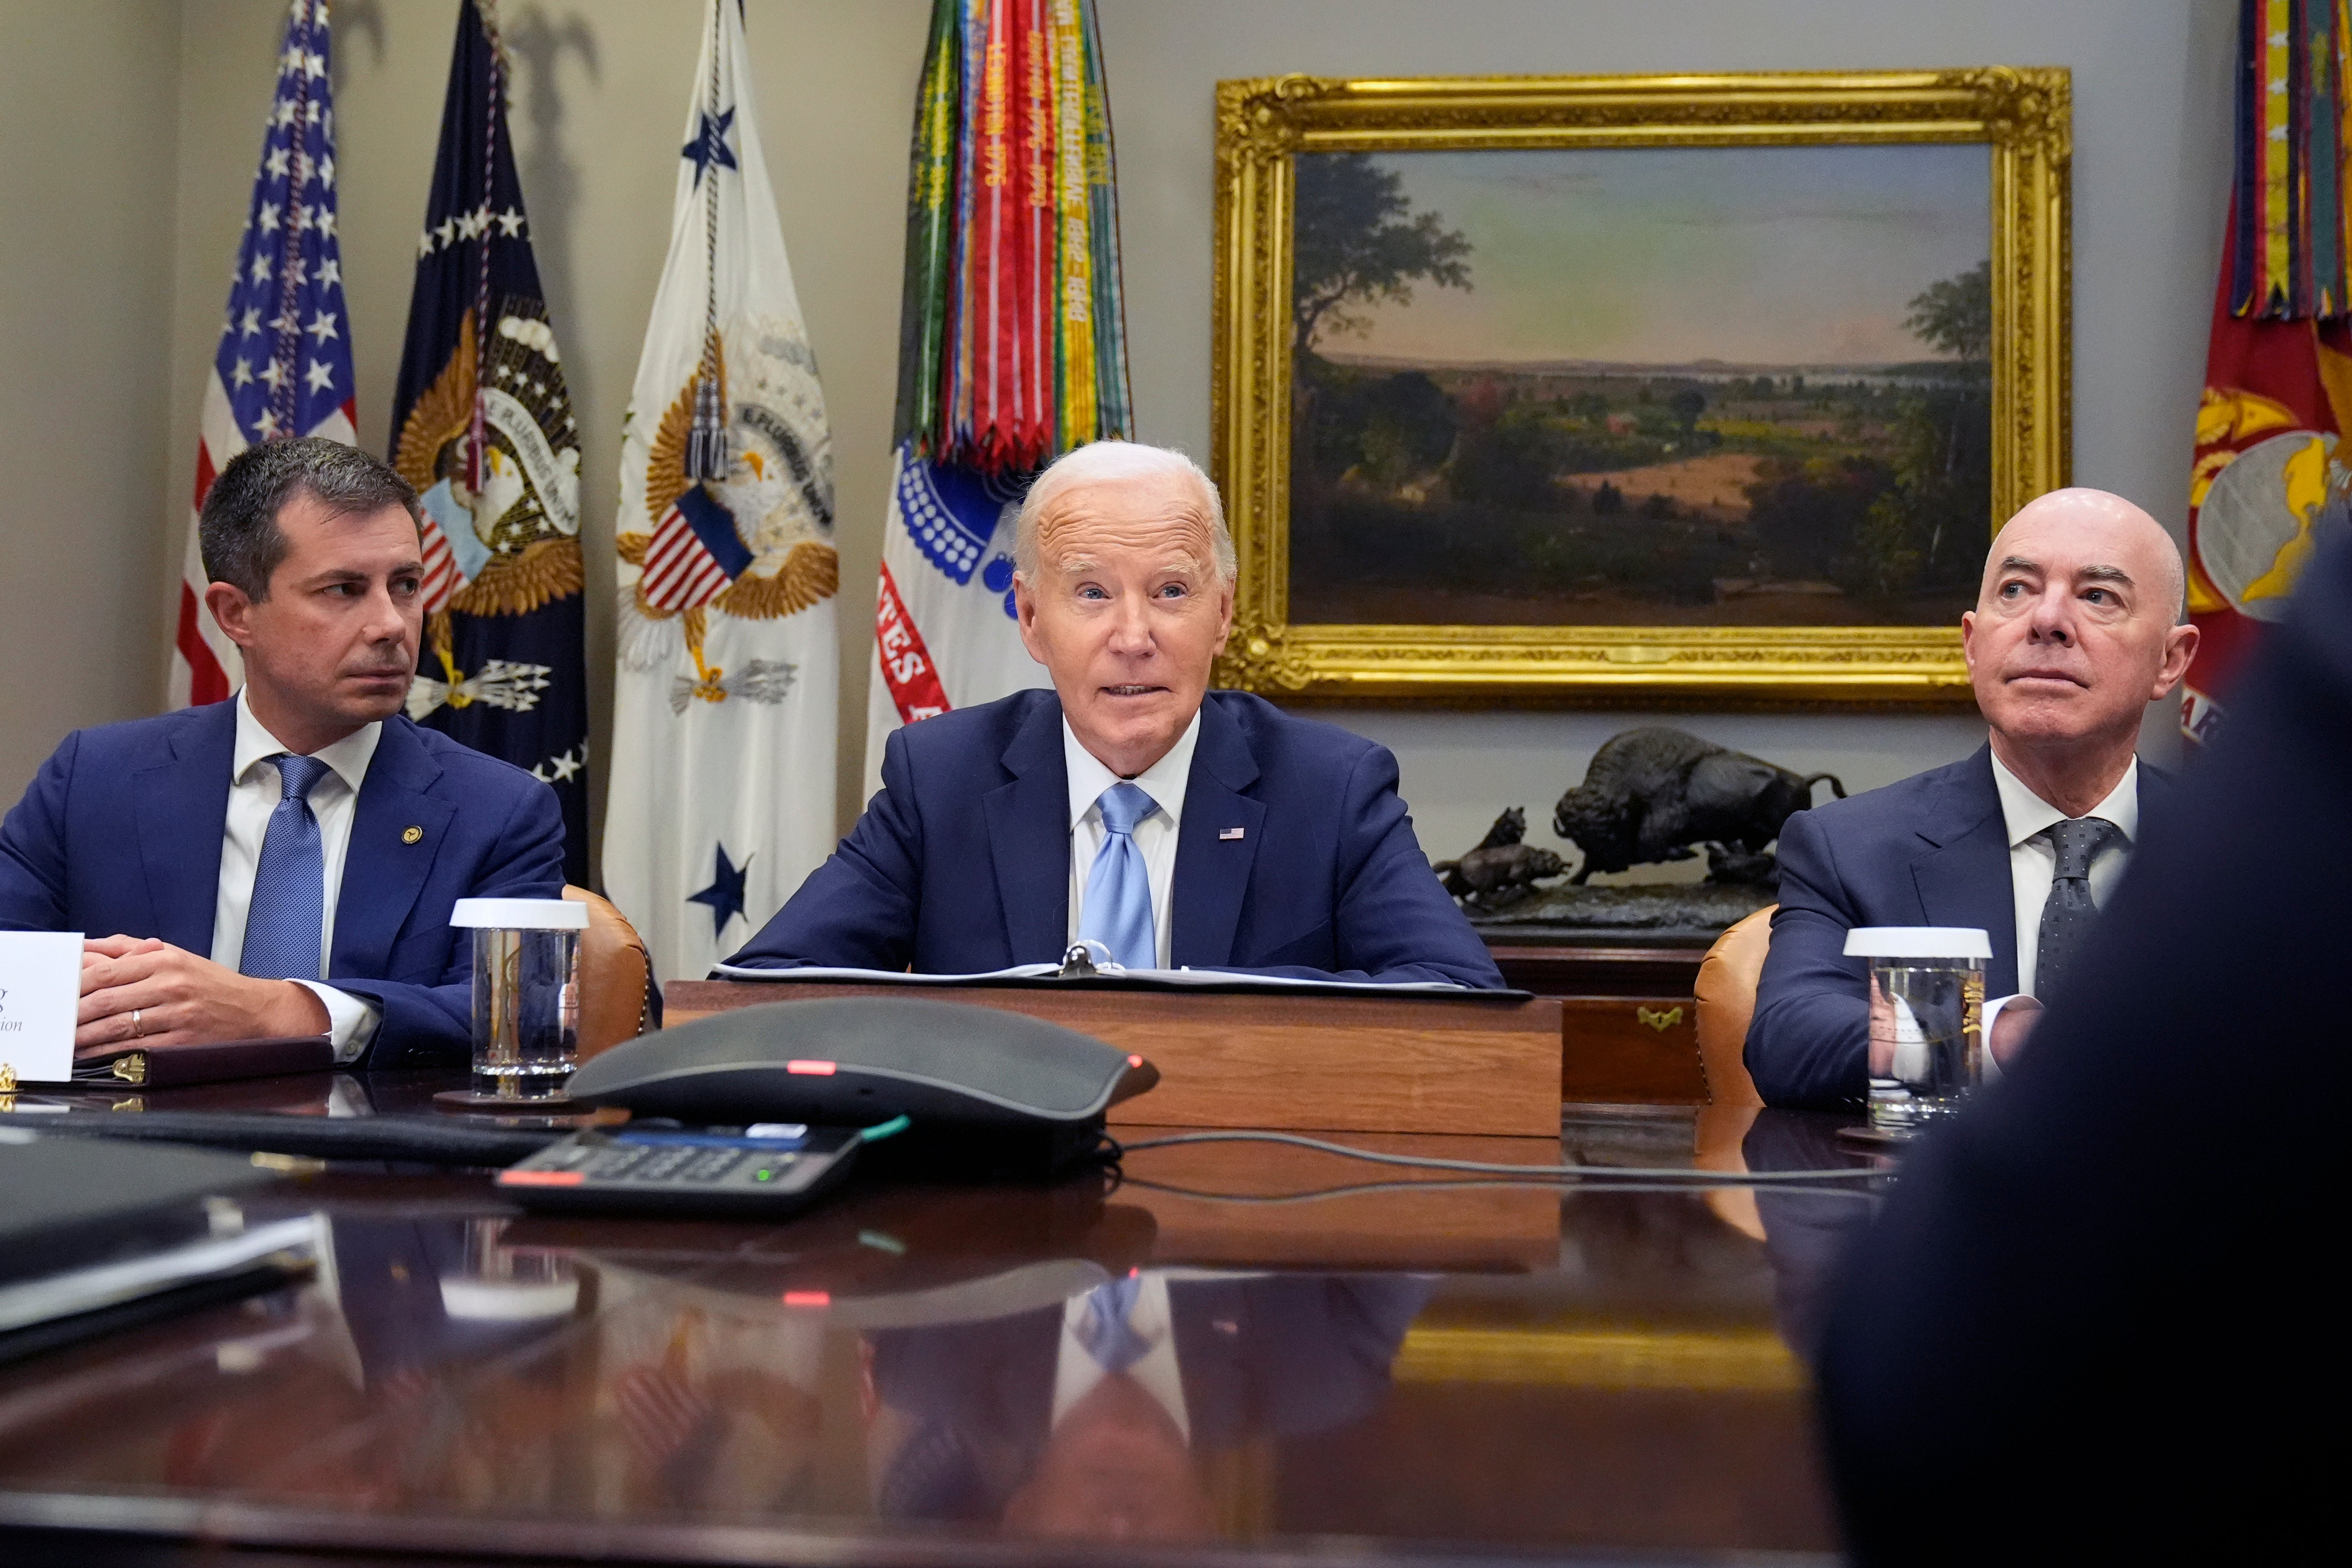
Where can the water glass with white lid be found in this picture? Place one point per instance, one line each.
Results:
(1927, 1017)
(526, 996)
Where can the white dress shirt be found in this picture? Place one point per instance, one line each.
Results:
(1156, 1371)
(2033, 860)
(255, 790)
(1155, 835)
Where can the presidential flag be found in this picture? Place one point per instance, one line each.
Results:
(1011, 346)
(2270, 477)
(482, 426)
(724, 701)
(283, 365)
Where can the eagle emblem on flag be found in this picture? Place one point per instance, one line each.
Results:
(755, 542)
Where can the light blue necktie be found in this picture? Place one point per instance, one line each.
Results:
(1117, 912)
(1107, 1336)
(290, 887)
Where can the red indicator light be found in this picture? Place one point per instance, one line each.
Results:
(540, 1178)
(1134, 1062)
(822, 1069)
(808, 1297)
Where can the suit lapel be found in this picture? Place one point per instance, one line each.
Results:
(1964, 880)
(384, 872)
(182, 813)
(1029, 839)
(1212, 870)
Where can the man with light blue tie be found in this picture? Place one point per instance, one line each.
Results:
(1130, 805)
(284, 863)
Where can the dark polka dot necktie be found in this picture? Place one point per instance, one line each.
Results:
(2067, 914)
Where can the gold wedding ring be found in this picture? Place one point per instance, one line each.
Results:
(137, 1030)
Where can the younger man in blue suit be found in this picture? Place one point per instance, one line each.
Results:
(1131, 806)
(2076, 630)
(284, 863)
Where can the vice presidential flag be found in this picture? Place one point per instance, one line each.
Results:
(2270, 475)
(724, 702)
(482, 426)
(283, 365)
(1012, 340)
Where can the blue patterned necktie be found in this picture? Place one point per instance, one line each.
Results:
(2067, 914)
(1118, 911)
(282, 924)
(1107, 1337)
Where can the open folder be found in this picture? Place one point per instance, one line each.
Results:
(1054, 976)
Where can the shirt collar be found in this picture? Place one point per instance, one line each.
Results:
(2026, 813)
(348, 758)
(1163, 781)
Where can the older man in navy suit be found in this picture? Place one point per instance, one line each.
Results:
(1130, 805)
(2076, 630)
(284, 863)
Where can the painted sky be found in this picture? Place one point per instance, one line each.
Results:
(1760, 255)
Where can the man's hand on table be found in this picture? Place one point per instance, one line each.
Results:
(180, 999)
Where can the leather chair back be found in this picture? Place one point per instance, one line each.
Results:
(615, 977)
(1726, 1000)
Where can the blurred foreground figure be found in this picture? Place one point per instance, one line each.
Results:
(2087, 1325)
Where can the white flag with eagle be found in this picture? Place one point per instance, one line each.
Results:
(724, 700)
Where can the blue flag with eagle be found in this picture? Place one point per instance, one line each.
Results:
(724, 701)
(482, 426)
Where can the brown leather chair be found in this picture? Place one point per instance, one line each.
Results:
(615, 977)
(1726, 1000)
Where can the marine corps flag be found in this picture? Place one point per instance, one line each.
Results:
(2269, 474)
(283, 367)
(481, 425)
(724, 702)
(1012, 344)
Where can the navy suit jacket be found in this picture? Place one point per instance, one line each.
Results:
(121, 834)
(2093, 1321)
(961, 863)
(1932, 851)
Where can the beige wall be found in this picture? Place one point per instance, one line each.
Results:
(599, 102)
(88, 90)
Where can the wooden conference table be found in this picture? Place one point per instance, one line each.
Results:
(1374, 1366)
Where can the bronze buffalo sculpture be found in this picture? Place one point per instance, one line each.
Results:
(1651, 795)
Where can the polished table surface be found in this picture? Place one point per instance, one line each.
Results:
(1358, 1362)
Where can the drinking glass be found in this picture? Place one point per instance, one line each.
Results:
(1927, 1017)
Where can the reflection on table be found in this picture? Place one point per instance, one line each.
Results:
(1224, 1348)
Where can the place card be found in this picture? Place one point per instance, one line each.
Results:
(40, 992)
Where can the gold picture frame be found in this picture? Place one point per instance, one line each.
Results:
(2022, 114)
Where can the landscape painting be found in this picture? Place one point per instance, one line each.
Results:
(1663, 386)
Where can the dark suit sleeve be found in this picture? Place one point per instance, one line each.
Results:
(1808, 1044)
(1391, 920)
(426, 1024)
(33, 849)
(857, 910)
(2094, 1306)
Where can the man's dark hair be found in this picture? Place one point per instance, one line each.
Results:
(238, 528)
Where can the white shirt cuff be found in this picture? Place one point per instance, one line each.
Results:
(1993, 1011)
(351, 1023)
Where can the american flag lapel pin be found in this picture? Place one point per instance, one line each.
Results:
(1224, 833)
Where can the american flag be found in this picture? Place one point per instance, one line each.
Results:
(284, 367)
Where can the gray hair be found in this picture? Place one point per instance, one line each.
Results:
(238, 530)
(1116, 460)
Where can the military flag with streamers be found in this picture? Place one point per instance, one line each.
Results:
(2269, 476)
(724, 702)
(283, 365)
(1012, 344)
(482, 426)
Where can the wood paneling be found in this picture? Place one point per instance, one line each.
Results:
(1277, 1060)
